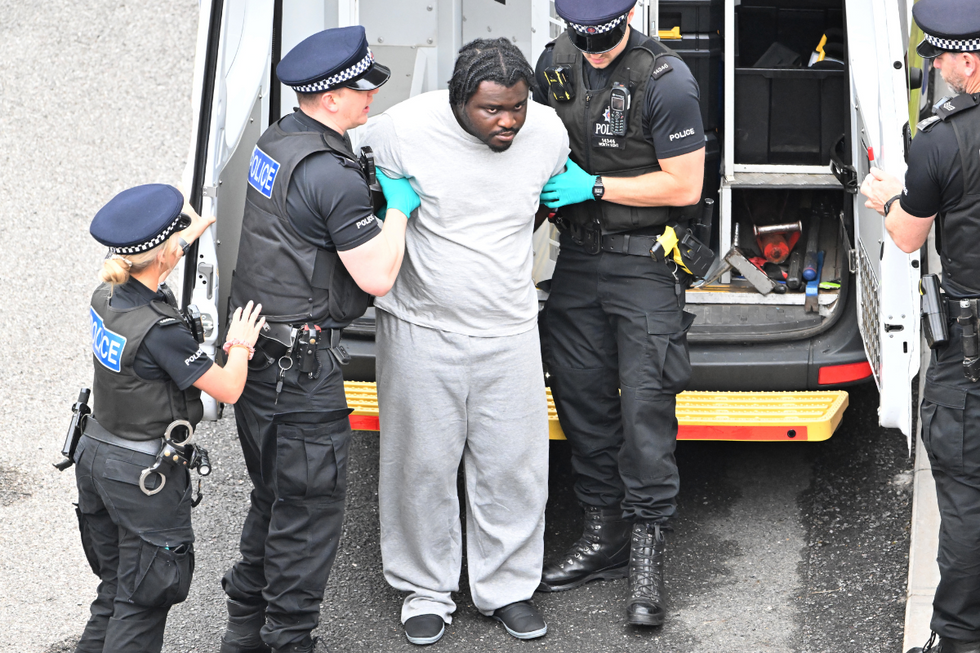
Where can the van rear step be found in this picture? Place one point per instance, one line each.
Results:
(743, 416)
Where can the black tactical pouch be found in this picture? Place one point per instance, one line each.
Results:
(935, 319)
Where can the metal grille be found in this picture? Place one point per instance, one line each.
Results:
(869, 313)
(555, 24)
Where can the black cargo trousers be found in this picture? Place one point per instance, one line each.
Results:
(141, 547)
(617, 354)
(951, 435)
(296, 453)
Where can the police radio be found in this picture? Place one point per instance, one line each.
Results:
(378, 202)
(619, 104)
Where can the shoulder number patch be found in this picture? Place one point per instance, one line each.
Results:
(262, 171)
(662, 68)
(106, 345)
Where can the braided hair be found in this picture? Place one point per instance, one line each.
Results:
(487, 60)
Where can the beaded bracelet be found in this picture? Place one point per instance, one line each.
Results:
(235, 342)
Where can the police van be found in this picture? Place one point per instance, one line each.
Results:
(799, 98)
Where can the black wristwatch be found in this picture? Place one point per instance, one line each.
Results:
(184, 245)
(598, 189)
(888, 204)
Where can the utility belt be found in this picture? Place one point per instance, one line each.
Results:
(92, 430)
(674, 244)
(938, 310)
(174, 448)
(296, 345)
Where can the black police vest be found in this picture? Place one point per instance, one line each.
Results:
(960, 228)
(126, 405)
(586, 118)
(294, 280)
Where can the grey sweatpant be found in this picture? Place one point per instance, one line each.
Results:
(446, 397)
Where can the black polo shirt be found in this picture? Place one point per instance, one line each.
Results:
(671, 104)
(166, 351)
(934, 179)
(325, 200)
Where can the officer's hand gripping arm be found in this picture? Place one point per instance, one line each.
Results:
(399, 194)
(570, 187)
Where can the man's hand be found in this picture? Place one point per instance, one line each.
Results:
(399, 194)
(879, 187)
(570, 187)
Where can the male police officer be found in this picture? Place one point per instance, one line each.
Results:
(618, 348)
(310, 252)
(943, 180)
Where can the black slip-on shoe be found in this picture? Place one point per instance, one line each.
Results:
(425, 629)
(522, 620)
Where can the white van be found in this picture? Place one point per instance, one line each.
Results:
(797, 104)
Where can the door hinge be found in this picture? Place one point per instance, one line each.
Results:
(210, 191)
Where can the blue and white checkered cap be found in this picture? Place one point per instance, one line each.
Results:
(138, 219)
(962, 45)
(597, 29)
(948, 26)
(336, 80)
(332, 58)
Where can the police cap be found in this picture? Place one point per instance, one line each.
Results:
(139, 219)
(595, 26)
(948, 25)
(331, 59)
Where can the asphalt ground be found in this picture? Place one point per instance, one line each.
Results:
(788, 547)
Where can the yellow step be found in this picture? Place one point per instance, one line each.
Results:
(750, 416)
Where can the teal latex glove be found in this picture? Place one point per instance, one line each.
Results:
(569, 187)
(399, 194)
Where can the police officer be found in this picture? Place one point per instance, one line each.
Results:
(943, 180)
(311, 250)
(149, 373)
(618, 349)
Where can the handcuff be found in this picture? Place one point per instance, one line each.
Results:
(175, 453)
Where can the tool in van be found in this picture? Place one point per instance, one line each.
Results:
(776, 241)
(811, 304)
(736, 260)
(810, 262)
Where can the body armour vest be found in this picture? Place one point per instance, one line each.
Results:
(587, 118)
(293, 279)
(960, 228)
(126, 405)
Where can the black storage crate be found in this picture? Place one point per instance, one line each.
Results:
(692, 15)
(702, 53)
(787, 116)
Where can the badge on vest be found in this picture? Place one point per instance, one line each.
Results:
(604, 133)
(262, 171)
(106, 345)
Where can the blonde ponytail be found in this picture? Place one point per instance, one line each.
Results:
(117, 269)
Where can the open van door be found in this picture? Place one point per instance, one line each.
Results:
(888, 295)
(231, 108)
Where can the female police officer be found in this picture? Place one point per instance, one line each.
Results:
(149, 374)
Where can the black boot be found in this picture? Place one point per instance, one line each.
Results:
(947, 645)
(244, 623)
(646, 605)
(602, 552)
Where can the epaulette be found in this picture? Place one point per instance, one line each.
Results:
(957, 104)
(928, 123)
(550, 45)
(168, 321)
(663, 67)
